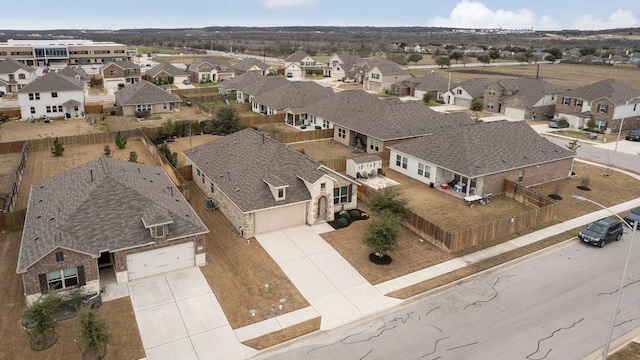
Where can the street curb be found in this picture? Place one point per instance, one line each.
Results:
(615, 345)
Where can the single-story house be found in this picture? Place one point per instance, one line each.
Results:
(466, 91)
(165, 73)
(292, 95)
(144, 96)
(480, 156)
(106, 216)
(261, 185)
(433, 84)
(253, 65)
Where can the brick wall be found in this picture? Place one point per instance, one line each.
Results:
(533, 175)
(49, 263)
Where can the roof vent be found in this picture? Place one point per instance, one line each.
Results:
(41, 186)
(504, 161)
(39, 216)
(237, 189)
(39, 201)
(52, 218)
(36, 238)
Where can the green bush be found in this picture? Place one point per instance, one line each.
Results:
(342, 222)
(345, 215)
(355, 213)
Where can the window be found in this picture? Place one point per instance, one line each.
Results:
(198, 171)
(159, 231)
(12, 77)
(60, 108)
(492, 91)
(579, 102)
(374, 145)
(553, 97)
(424, 170)
(404, 162)
(31, 97)
(602, 108)
(62, 279)
(375, 76)
(164, 106)
(398, 160)
(212, 187)
(143, 107)
(37, 96)
(325, 124)
(54, 94)
(323, 186)
(490, 104)
(341, 195)
(48, 109)
(635, 106)
(459, 91)
(342, 133)
(22, 76)
(566, 100)
(59, 256)
(521, 175)
(32, 109)
(280, 193)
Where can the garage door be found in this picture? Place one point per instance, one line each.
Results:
(375, 87)
(514, 113)
(462, 102)
(162, 260)
(280, 218)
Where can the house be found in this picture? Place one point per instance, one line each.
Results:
(382, 74)
(261, 185)
(340, 65)
(433, 84)
(210, 69)
(606, 102)
(364, 166)
(235, 85)
(293, 95)
(466, 91)
(253, 65)
(70, 71)
(14, 75)
(304, 64)
(473, 51)
(249, 90)
(479, 156)
(145, 97)
(117, 74)
(521, 98)
(165, 73)
(52, 95)
(106, 216)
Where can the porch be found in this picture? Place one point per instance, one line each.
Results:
(303, 122)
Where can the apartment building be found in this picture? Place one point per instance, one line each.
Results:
(62, 52)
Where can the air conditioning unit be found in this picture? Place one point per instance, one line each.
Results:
(209, 204)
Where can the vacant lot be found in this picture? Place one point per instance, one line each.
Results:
(42, 165)
(126, 343)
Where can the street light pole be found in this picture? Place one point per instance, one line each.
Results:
(624, 112)
(605, 352)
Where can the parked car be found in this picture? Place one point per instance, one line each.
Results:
(601, 231)
(553, 123)
(186, 81)
(348, 80)
(633, 135)
(120, 86)
(633, 216)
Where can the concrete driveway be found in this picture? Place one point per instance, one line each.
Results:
(179, 317)
(329, 283)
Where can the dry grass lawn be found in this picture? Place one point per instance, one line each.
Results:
(629, 352)
(326, 149)
(276, 128)
(118, 314)
(185, 143)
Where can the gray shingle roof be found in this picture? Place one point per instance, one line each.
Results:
(247, 64)
(296, 56)
(72, 211)
(242, 80)
(166, 67)
(432, 82)
(240, 163)
(293, 95)
(69, 71)
(262, 87)
(53, 82)
(347, 58)
(213, 60)
(484, 148)
(475, 87)
(10, 66)
(529, 90)
(366, 159)
(125, 64)
(615, 91)
(143, 92)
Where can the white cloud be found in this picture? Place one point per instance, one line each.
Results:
(285, 3)
(473, 14)
(618, 19)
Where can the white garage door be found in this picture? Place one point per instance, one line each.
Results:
(162, 260)
(280, 218)
(462, 102)
(514, 113)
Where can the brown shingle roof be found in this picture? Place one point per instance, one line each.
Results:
(529, 90)
(475, 87)
(615, 91)
(247, 64)
(296, 56)
(293, 95)
(98, 207)
(484, 148)
(143, 92)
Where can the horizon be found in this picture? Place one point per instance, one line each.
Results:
(543, 15)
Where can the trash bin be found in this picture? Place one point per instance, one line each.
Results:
(444, 186)
(432, 185)
(67, 115)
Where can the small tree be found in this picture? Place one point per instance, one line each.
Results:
(414, 58)
(494, 54)
(456, 55)
(225, 121)
(484, 58)
(172, 157)
(390, 200)
(563, 123)
(94, 334)
(382, 234)
(168, 128)
(133, 157)
(58, 147)
(476, 106)
(591, 125)
(107, 150)
(443, 61)
(43, 314)
(121, 140)
(426, 98)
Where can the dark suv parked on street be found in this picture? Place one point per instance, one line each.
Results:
(601, 231)
(633, 216)
(633, 135)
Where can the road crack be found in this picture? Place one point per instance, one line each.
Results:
(549, 337)
(367, 354)
(435, 348)
(624, 287)
(493, 287)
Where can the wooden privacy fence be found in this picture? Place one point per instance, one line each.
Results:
(11, 221)
(17, 179)
(12, 147)
(454, 241)
(79, 140)
(287, 138)
(93, 108)
(186, 172)
(526, 196)
(261, 119)
(335, 164)
(174, 174)
(196, 91)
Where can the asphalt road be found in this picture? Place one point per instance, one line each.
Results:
(557, 305)
(618, 159)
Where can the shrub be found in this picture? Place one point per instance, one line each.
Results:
(342, 222)
(58, 147)
(355, 213)
(346, 215)
(133, 157)
(390, 200)
(142, 114)
(120, 140)
(107, 150)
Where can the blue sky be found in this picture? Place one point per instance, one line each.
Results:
(119, 14)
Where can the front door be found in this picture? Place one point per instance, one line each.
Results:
(322, 208)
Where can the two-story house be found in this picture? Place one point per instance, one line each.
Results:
(382, 74)
(117, 74)
(340, 65)
(14, 75)
(606, 102)
(521, 98)
(299, 64)
(52, 95)
(210, 69)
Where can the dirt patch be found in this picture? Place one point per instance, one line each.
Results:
(276, 128)
(41, 165)
(630, 352)
(118, 314)
(283, 335)
(237, 271)
(21, 130)
(185, 143)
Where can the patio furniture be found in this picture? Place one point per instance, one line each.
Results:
(471, 199)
